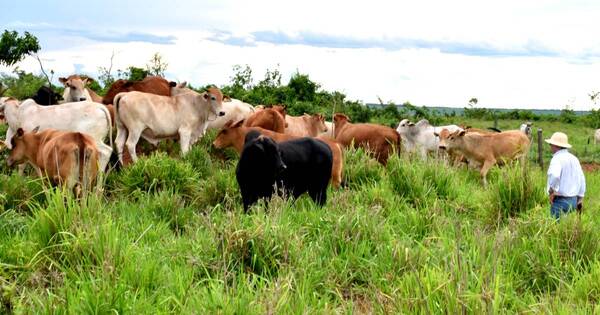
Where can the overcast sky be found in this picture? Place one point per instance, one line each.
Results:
(510, 53)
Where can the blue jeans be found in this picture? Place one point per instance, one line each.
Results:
(562, 205)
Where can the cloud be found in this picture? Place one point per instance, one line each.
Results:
(529, 49)
(122, 37)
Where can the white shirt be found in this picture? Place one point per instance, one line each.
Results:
(565, 175)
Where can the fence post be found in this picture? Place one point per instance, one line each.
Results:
(540, 148)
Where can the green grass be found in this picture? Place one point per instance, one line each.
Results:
(168, 235)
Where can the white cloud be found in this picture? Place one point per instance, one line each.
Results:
(421, 76)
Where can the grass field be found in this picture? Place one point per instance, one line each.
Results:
(168, 235)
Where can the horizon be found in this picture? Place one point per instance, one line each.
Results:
(547, 52)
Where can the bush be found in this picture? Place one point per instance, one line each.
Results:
(199, 158)
(171, 209)
(220, 189)
(157, 173)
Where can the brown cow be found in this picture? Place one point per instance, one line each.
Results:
(67, 158)
(233, 135)
(305, 125)
(272, 118)
(151, 84)
(380, 141)
(486, 150)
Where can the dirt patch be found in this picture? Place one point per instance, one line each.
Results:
(590, 166)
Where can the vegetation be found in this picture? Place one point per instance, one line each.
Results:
(169, 235)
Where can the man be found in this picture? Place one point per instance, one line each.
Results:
(566, 182)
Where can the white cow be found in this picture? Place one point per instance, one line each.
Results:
(421, 136)
(76, 90)
(155, 117)
(87, 117)
(235, 110)
(526, 129)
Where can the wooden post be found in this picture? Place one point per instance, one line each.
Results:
(540, 148)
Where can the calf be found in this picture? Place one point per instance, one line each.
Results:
(266, 167)
(86, 117)
(67, 158)
(486, 150)
(421, 136)
(233, 135)
(379, 141)
(305, 125)
(76, 89)
(272, 118)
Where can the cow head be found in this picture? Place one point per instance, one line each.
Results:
(271, 153)
(214, 98)
(19, 146)
(75, 88)
(319, 121)
(449, 140)
(229, 134)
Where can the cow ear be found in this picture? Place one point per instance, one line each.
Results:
(62, 80)
(411, 124)
(36, 129)
(436, 134)
(172, 83)
(228, 124)
(20, 132)
(182, 85)
(87, 80)
(238, 124)
(461, 133)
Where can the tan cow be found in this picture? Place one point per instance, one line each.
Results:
(67, 158)
(486, 150)
(155, 117)
(305, 125)
(76, 89)
(379, 141)
(234, 134)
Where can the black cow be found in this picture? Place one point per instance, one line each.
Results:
(290, 167)
(46, 96)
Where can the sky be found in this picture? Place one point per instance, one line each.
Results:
(538, 54)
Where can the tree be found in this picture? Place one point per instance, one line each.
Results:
(302, 87)
(14, 48)
(157, 65)
(473, 101)
(136, 74)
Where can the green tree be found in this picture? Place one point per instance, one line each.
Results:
(157, 66)
(14, 48)
(302, 88)
(21, 85)
(136, 74)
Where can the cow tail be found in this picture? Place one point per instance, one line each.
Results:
(398, 144)
(109, 121)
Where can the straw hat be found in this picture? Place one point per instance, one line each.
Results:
(559, 139)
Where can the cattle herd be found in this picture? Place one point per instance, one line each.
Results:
(72, 142)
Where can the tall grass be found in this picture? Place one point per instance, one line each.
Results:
(168, 235)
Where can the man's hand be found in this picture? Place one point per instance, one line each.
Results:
(551, 197)
(579, 204)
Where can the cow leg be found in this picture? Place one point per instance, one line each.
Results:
(132, 140)
(120, 141)
(104, 151)
(184, 140)
(484, 170)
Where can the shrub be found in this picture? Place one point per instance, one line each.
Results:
(199, 158)
(157, 173)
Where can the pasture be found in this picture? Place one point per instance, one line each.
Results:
(169, 235)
